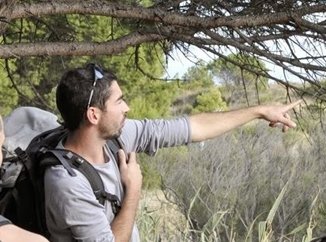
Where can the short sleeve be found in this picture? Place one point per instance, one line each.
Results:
(72, 208)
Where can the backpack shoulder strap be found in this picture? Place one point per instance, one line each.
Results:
(63, 156)
(114, 146)
(71, 160)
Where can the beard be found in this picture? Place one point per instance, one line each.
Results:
(109, 132)
(114, 135)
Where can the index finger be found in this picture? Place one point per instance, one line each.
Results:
(292, 105)
(122, 158)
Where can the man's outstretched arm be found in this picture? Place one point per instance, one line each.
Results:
(210, 125)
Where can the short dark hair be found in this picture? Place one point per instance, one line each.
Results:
(73, 93)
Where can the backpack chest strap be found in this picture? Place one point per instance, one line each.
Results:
(114, 200)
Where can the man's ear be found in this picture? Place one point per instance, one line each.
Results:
(93, 115)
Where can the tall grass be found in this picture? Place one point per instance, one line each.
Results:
(255, 184)
(164, 223)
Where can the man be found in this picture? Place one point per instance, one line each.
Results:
(92, 106)
(8, 231)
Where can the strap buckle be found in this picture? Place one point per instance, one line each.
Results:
(113, 199)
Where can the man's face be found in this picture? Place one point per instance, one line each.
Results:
(114, 116)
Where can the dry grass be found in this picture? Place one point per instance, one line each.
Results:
(160, 220)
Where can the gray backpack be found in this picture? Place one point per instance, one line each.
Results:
(32, 136)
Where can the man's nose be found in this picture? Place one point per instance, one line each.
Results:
(127, 109)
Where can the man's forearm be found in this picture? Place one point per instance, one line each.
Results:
(210, 125)
(122, 225)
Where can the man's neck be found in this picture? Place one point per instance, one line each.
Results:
(86, 144)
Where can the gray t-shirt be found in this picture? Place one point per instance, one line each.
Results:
(72, 211)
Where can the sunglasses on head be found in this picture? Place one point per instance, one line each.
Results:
(98, 75)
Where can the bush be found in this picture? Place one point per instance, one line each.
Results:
(225, 186)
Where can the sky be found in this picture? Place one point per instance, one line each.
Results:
(178, 64)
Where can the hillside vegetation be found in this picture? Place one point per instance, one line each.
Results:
(251, 184)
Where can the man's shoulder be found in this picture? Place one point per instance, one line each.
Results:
(57, 177)
(134, 125)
